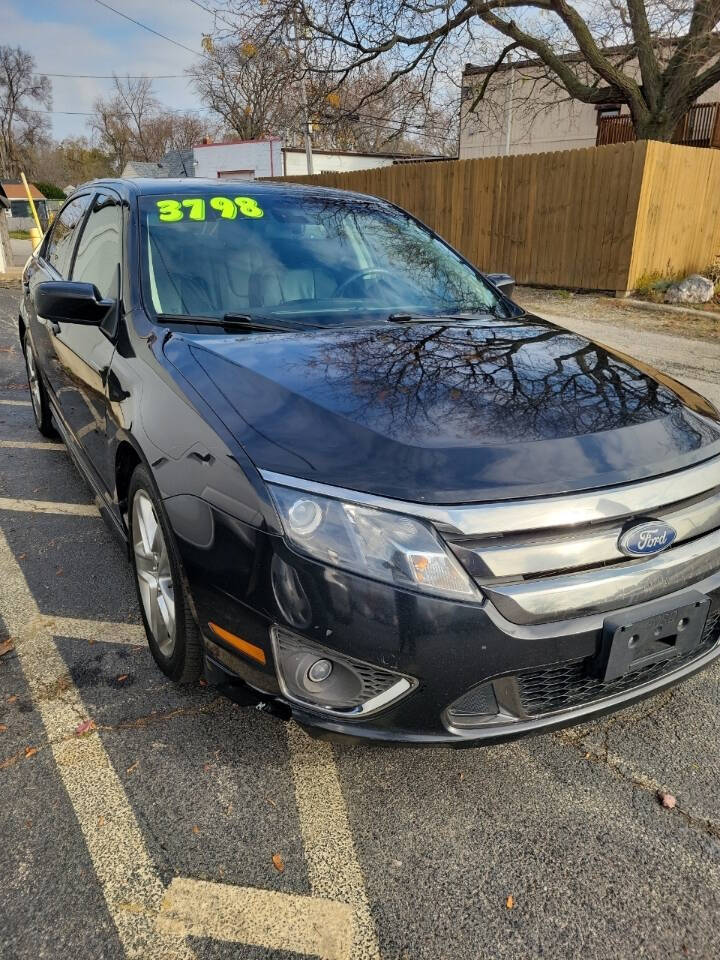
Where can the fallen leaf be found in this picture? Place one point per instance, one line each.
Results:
(130, 907)
(13, 698)
(196, 828)
(3, 728)
(85, 727)
(133, 767)
(202, 681)
(30, 751)
(59, 572)
(21, 556)
(101, 821)
(122, 678)
(278, 862)
(462, 775)
(667, 800)
(6, 646)
(510, 902)
(28, 823)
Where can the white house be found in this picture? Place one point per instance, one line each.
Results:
(251, 159)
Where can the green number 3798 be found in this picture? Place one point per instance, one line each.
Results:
(170, 211)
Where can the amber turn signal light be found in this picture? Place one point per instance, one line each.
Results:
(237, 643)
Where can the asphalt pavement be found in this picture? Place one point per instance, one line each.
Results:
(139, 819)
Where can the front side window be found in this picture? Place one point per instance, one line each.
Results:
(59, 247)
(282, 255)
(99, 251)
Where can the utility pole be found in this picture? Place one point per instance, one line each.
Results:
(306, 108)
(509, 111)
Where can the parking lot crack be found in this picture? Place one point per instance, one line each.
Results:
(622, 769)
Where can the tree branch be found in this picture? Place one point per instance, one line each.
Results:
(491, 73)
(647, 59)
(567, 76)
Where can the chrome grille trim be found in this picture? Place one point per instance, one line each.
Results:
(607, 588)
(542, 513)
(528, 556)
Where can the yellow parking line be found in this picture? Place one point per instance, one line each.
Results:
(49, 506)
(16, 403)
(31, 445)
(152, 923)
(262, 918)
(130, 882)
(333, 868)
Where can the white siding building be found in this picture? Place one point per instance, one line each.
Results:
(239, 159)
(252, 159)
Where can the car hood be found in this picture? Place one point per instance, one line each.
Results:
(448, 413)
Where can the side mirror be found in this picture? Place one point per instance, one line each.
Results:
(504, 283)
(68, 301)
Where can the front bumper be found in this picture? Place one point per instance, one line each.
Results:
(447, 646)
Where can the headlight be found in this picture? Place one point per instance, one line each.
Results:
(385, 546)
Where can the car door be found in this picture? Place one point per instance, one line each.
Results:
(53, 262)
(84, 352)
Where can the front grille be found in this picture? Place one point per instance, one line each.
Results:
(562, 686)
(547, 560)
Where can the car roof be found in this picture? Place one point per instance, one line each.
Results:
(149, 186)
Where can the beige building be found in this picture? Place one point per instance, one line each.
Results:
(522, 112)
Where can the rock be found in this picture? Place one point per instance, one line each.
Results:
(693, 289)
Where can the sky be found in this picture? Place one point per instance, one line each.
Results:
(83, 37)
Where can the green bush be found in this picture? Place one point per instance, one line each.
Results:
(50, 191)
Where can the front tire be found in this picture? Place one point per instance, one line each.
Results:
(173, 636)
(38, 394)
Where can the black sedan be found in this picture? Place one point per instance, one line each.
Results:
(359, 485)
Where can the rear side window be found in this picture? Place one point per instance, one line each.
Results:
(100, 248)
(58, 252)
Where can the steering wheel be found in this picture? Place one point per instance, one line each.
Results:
(367, 272)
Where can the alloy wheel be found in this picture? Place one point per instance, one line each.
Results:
(154, 575)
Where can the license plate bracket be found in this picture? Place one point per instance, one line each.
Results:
(665, 632)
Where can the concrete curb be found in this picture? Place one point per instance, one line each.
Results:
(670, 308)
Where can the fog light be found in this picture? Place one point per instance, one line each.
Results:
(331, 682)
(320, 671)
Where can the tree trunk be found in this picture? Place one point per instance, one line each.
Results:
(660, 126)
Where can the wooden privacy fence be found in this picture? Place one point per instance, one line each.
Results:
(598, 218)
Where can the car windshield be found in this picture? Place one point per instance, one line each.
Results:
(278, 255)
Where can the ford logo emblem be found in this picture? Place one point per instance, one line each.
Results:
(647, 539)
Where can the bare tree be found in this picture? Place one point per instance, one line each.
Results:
(252, 91)
(72, 161)
(656, 56)
(131, 124)
(22, 93)
(251, 78)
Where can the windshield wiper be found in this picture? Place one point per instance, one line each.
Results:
(402, 317)
(240, 320)
(430, 318)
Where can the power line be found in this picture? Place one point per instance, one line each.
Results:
(88, 113)
(215, 12)
(122, 76)
(144, 26)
